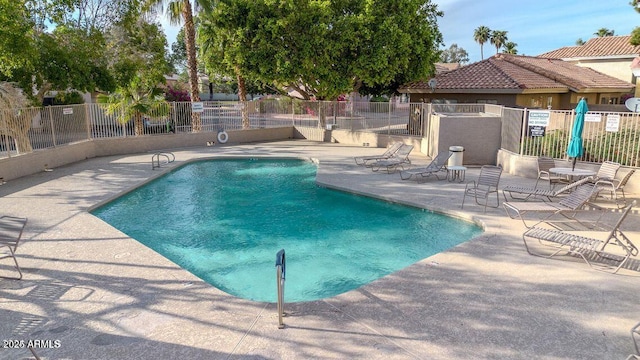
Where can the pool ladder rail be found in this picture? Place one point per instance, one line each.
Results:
(281, 266)
(167, 158)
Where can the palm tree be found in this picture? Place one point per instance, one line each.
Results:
(580, 42)
(481, 36)
(602, 32)
(133, 102)
(498, 38)
(181, 11)
(510, 48)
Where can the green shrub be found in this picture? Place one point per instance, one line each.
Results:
(68, 98)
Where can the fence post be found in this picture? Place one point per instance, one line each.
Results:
(389, 118)
(523, 132)
(53, 131)
(87, 120)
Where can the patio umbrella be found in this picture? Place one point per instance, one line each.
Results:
(575, 149)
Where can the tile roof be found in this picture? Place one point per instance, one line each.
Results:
(597, 47)
(516, 74)
(442, 67)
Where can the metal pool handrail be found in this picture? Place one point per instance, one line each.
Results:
(281, 266)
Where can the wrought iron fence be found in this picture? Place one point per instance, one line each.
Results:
(607, 135)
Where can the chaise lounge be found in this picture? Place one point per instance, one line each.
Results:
(438, 164)
(589, 248)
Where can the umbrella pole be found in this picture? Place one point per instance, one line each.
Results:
(573, 167)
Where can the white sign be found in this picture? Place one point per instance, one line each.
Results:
(613, 122)
(539, 117)
(592, 117)
(67, 111)
(197, 107)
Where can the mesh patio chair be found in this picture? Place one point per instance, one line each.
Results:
(397, 160)
(525, 193)
(544, 173)
(365, 160)
(590, 248)
(486, 185)
(568, 207)
(615, 186)
(607, 171)
(11, 229)
(438, 164)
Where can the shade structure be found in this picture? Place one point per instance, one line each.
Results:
(575, 148)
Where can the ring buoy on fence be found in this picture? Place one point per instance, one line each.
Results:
(223, 137)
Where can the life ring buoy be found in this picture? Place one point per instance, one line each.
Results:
(223, 137)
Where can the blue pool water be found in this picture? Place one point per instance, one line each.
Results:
(225, 220)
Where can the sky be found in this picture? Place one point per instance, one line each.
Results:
(537, 26)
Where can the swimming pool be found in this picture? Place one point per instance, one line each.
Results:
(224, 221)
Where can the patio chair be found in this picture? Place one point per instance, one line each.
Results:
(567, 207)
(364, 160)
(397, 160)
(612, 187)
(607, 171)
(544, 173)
(486, 185)
(525, 193)
(438, 164)
(589, 248)
(11, 229)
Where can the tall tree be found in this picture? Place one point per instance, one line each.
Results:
(137, 49)
(180, 11)
(16, 37)
(498, 39)
(454, 54)
(510, 48)
(323, 49)
(481, 35)
(66, 58)
(635, 34)
(602, 32)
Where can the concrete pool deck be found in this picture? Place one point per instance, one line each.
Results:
(102, 295)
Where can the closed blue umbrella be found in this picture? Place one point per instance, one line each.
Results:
(575, 149)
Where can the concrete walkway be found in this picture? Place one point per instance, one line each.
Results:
(98, 294)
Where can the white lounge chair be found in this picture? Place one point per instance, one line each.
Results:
(525, 193)
(438, 164)
(589, 248)
(11, 229)
(365, 160)
(566, 207)
(396, 161)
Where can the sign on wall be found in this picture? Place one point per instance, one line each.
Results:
(67, 111)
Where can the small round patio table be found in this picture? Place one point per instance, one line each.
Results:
(572, 173)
